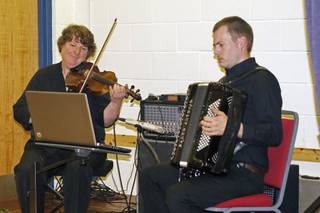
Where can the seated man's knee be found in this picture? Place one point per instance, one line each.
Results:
(175, 195)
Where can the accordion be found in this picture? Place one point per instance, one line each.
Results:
(196, 153)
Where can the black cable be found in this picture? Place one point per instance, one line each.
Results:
(151, 149)
(134, 178)
(135, 175)
(118, 167)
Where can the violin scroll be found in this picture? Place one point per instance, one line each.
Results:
(134, 94)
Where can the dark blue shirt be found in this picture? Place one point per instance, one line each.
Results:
(262, 116)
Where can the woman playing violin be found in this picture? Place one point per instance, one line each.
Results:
(76, 44)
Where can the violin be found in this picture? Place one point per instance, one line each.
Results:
(97, 82)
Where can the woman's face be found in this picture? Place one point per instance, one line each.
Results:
(73, 53)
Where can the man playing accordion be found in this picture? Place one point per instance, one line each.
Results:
(159, 187)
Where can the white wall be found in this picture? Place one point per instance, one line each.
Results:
(161, 46)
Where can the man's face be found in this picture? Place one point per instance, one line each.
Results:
(227, 51)
(73, 53)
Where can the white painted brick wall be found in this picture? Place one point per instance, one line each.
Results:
(162, 46)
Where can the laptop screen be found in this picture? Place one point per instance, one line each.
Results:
(61, 117)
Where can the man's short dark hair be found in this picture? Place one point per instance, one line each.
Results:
(237, 27)
(79, 32)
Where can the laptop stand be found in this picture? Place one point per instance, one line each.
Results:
(81, 153)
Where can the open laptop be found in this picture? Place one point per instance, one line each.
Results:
(63, 120)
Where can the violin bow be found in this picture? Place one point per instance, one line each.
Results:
(99, 54)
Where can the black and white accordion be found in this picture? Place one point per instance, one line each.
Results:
(196, 153)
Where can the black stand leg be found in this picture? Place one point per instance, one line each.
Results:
(32, 195)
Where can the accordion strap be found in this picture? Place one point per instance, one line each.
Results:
(223, 79)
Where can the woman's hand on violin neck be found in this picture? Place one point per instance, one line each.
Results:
(118, 92)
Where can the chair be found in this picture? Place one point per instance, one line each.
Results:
(275, 179)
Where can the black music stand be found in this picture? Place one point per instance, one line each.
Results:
(81, 153)
(46, 106)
